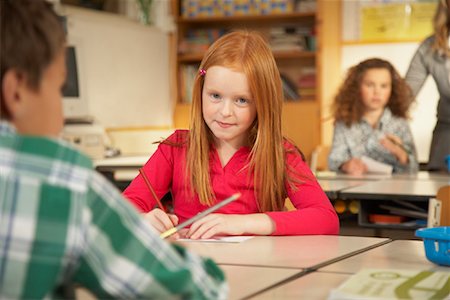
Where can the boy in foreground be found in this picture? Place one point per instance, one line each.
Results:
(60, 222)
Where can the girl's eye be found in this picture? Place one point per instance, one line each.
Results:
(215, 96)
(242, 101)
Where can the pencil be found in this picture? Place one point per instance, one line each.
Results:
(199, 216)
(408, 151)
(152, 190)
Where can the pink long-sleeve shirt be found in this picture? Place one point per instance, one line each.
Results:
(165, 170)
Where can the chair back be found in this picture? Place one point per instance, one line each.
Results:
(443, 195)
(319, 158)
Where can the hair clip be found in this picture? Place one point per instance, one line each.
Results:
(202, 72)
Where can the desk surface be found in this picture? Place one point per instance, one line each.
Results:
(245, 281)
(332, 187)
(338, 175)
(407, 189)
(285, 251)
(421, 175)
(400, 254)
(122, 162)
(316, 285)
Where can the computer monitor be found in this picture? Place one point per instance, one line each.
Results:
(75, 105)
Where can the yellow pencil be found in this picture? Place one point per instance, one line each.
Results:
(408, 151)
(204, 213)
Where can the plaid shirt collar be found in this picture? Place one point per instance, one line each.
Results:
(7, 129)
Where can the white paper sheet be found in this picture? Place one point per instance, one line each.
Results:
(222, 239)
(374, 166)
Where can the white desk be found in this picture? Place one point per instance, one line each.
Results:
(400, 254)
(423, 175)
(332, 187)
(121, 162)
(299, 252)
(316, 285)
(406, 189)
(338, 175)
(120, 168)
(245, 281)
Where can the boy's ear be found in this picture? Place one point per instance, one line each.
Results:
(12, 86)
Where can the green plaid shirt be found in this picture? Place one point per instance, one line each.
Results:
(62, 223)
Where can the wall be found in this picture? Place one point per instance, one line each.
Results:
(126, 69)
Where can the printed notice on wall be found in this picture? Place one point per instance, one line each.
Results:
(397, 21)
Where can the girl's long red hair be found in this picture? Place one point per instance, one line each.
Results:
(245, 52)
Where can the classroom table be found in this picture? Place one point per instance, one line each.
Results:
(332, 187)
(315, 285)
(113, 164)
(339, 175)
(298, 252)
(245, 281)
(120, 170)
(399, 254)
(405, 189)
(423, 175)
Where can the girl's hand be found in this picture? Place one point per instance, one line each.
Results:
(354, 166)
(217, 224)
(393, 144)
(162, 221)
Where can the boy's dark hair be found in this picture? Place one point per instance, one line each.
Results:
(31, 35)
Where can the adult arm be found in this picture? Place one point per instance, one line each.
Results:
(418, 72)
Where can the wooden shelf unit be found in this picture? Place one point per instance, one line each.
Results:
(301, 118)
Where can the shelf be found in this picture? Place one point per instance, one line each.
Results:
(293, 54)
(301, 118)
(288, 17)
(190, 58)
(197, 57)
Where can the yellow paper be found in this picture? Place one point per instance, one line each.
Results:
(397, 21)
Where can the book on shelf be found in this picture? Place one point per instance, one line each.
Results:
(199, 40)
(394, 284)
(289, 88)
(214, 8)
(289, 38)
(306, 5)
(187, 74)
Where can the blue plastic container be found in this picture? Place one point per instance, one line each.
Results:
(437, 244)
(447, 160)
